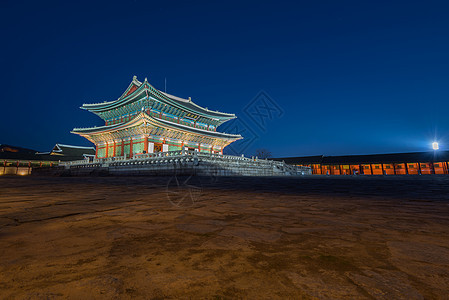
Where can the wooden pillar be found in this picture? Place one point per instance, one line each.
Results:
(406, 168)
(107, 149)
(447, 168)
(371, 168)
(145, 145)
(433, 167)
(114, 152)
(123, 147)
(394, 169)
(130, 147)
(419, 169)
(383, 171)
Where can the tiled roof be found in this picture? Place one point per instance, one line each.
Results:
(165, 97)
(59, 152)
(143, 115)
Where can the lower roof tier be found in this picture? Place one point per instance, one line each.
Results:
(143, 124)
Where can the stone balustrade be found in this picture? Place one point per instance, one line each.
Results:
(189, 161)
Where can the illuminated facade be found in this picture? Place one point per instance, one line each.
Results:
(415, 163)
(146, 120)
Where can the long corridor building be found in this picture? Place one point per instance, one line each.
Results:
(414, 163)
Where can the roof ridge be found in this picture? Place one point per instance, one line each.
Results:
(72, 146)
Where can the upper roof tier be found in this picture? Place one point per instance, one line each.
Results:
(144, 90)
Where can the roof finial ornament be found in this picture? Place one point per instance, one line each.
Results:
(146, 80)
(190, 99)
(134, 78)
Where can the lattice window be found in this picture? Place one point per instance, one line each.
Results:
(118, 151)
(138, 148)
(101, 153)
(126, 150)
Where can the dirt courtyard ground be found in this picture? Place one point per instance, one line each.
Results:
(224, 238)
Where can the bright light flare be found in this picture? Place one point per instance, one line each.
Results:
(435, 146)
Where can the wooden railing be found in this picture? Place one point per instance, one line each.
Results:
(22, 167)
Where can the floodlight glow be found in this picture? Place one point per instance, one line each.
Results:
(435, 146)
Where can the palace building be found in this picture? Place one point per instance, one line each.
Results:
(147, 120)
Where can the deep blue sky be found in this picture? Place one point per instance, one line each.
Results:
(352, 77)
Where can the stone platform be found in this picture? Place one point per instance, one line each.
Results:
(176, 163)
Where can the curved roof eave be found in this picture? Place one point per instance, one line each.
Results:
(189, 102)
(108, 105)
(173, 100)
(198, 130)
(143, 115)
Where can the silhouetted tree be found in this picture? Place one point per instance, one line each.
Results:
(262, 153)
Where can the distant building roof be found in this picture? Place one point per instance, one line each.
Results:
(431, 156)
(67, 152)
(14, 152)
(59, 152)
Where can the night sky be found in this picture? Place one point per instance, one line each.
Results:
(341, 77)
